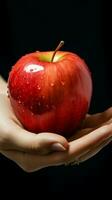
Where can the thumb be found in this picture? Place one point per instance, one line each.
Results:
(41, 143)
(50, 142)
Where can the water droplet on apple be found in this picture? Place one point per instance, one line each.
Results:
(43, 97)
(27, 82)
(52, 84)
(39, 103)
(32, 113)
(62, 83)
(23, 110)
(38, 87)
(31, 107)
(19, 102)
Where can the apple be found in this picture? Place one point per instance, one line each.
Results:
(50, 91)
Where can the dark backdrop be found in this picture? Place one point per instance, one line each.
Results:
(85, 26)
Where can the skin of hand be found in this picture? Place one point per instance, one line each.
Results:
(92, 136)
(33, 151)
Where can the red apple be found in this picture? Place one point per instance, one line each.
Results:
(50, 91)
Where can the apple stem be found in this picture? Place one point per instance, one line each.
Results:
(57, 48)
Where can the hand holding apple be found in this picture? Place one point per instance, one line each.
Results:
(36, 151)
(50, 91)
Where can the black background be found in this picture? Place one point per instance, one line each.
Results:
(85, 26)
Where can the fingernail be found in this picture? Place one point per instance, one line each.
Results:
(58, 147)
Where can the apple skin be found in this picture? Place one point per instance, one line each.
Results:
(50, 96)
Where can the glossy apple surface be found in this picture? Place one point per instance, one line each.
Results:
(50, 96)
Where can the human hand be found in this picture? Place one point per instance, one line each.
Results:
(35, 151)
(93, 135)
(28, 150)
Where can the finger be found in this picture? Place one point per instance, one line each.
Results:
(97, 119)
(85, 131)
(84, 144)
(80, 133)
(94, 151)
(42, 143)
